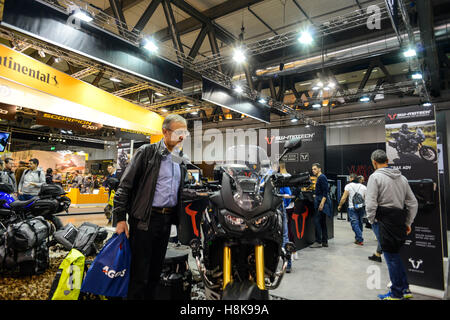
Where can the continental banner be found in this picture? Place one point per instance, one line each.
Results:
(411, 147)
(57, 121)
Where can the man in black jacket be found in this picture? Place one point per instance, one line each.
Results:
(150, 192)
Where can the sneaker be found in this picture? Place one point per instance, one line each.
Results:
(289, 267)
(325, 244)
(316, 245)
(388, 296)
(359, 243)
(407, 294)
(375, 258)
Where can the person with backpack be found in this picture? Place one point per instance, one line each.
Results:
(31, 181)
(356, 193)
(391, 203)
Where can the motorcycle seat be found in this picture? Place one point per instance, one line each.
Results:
(21, 204)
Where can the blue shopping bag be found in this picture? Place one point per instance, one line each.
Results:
(109, 274)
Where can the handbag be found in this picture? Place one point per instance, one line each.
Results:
(109, 273)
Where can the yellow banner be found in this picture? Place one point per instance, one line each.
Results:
(22, 69)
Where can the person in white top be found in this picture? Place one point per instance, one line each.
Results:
(355, 208)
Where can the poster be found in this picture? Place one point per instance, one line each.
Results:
(411, 147)
(61, 161)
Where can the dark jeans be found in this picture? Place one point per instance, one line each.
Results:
(25, 197)
(397, 274)
(376, 230)
(356, 221)
(320, 222)
(148, 251)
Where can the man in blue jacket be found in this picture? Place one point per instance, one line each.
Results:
(322, 206)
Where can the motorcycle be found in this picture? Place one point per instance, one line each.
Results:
(240, 247)
(50, 201)
(412, 144)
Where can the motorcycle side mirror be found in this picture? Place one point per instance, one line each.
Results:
(293, 144)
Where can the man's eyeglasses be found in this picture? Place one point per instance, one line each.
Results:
(180, 132)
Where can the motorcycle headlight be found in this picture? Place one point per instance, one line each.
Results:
(260, 222)
(234, 222)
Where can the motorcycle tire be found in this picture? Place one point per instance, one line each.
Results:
(428, 153)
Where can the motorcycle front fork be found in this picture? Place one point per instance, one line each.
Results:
(259, 262)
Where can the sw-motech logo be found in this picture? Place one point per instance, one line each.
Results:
(113, 273)
(392, 116)
(415, 263)
(304, 157)
(269, 139)
(305, 137)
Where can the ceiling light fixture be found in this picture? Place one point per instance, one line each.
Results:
(416, 76)
(238, 89)
(316, 105)
(83, 15)
(239, 55)
(409, 53)
(305, 38)
(364, 99)
(150, 45)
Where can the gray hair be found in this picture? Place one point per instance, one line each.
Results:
(172, 118)
(379, 156)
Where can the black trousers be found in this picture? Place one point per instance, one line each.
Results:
(148, 250)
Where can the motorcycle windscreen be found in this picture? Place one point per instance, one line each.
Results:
(189, 224)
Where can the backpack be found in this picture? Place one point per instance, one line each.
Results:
(358, 200)
(89, 238)
(67, 282)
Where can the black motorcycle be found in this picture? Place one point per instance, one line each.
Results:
(411, 144)
(50, 201)
(239, 244)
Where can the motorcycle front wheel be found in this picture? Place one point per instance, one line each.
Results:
(428, 153)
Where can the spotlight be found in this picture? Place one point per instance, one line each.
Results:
(427, 104)
(416, 76)
(294, 120)
(41, 53)
(113, 79)
(326, 88)
(409, 53)
(239, 55)
(262, 100)
(307, 126)
(320, 84)
(83, 15)
(57, 60)
(238, 89)
(305, 38)
(150, 45)
(159, 94)
(331, 84)
(195, 112)
(364, 99)
(315, 88)
(164, 110)
(316, 105)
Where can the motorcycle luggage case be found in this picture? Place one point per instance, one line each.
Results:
(44, 206)
(6, 188)
(176, 277)
(51, 190)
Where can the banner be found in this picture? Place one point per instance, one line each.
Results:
(59, 161)
(222, 96)
(27, 82)
(63, 122)
(411, 147)
(63, 29)
(132, 135)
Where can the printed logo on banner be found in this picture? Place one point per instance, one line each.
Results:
(304, 157)
(415, 263)
(392, 116)
(270, 140)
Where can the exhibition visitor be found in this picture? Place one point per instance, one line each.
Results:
(9, 164)
(388, 193)
(355, 192)
(31, 181)
(322, 206)
(150, 193)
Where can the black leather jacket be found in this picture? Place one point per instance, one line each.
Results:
(138, 184)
